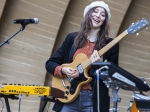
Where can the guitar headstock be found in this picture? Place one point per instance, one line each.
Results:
(137, 26)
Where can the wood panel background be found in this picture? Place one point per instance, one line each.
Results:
(2, 4)
(23, 60)
(135, 50)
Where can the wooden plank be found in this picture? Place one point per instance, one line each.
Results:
(23, 60)
(2, 5)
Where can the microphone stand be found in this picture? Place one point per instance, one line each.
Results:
(7, 40)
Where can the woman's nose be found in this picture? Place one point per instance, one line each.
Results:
(97, 14)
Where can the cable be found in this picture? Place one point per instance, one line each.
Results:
(3, 105)
(20, 97)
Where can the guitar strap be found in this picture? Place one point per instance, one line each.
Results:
(72, 52)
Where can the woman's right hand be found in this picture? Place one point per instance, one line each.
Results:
(71, 73)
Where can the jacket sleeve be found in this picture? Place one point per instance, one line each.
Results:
(58, 58)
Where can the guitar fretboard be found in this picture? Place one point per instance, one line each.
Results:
(112, 43)
(101, 52)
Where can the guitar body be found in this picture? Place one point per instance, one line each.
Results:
(57, 83)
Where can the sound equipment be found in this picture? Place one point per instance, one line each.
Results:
(17, 89)
(141, 103)
(26, 21)
(117, 78)
(14, 89)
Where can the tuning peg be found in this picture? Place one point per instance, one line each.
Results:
(146, 28)
(137, 34)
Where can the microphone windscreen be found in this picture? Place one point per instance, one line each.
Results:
(36, 20)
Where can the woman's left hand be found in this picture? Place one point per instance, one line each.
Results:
(95, 57)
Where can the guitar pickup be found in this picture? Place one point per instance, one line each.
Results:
(80, 70)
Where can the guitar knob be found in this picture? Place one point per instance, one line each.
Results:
(65, 97)
(137, 34)
(67, 92)
(68, 87)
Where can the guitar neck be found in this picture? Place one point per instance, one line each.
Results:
(105, 49)
(112, 43)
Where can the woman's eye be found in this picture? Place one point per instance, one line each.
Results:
(95, 11)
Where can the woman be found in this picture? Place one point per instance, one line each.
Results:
(92, 36)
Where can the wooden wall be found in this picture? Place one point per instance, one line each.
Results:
(135, 50)
(74, 17)
(2, 4)
(23, 60)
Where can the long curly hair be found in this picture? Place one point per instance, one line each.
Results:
(85, 28)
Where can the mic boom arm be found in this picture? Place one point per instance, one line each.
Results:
(23, 23)
(7, 40)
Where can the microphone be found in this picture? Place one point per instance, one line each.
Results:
(26, 21)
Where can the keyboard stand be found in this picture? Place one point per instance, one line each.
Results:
(114, 90)
(46, 99)
(6, 100)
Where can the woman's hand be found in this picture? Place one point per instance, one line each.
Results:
(95, 57)
(72, 73)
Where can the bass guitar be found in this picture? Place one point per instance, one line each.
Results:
(72, 86)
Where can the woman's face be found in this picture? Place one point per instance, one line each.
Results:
(98, 17)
